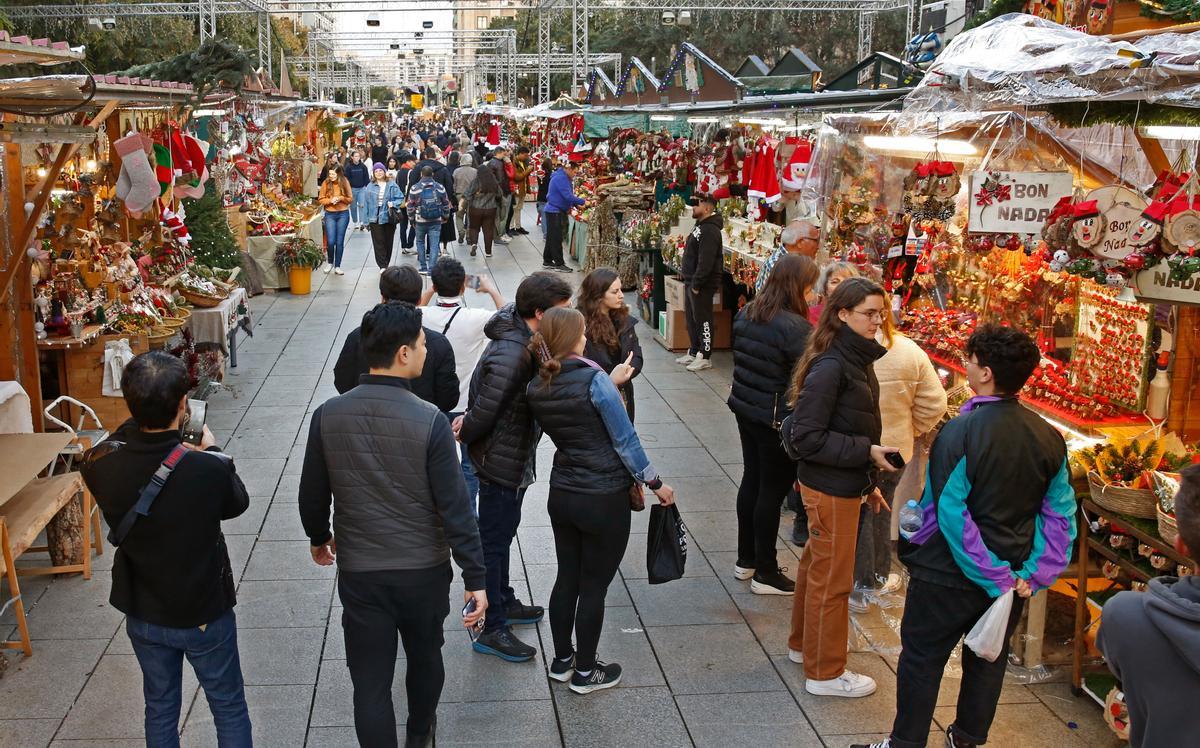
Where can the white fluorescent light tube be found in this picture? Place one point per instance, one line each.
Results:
(703, 120)
(764, 122)
(662, 118)
(918, 145)
(1171, 132)
(209, 113)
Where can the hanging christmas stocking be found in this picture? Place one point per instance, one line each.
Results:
(164, 169)
(142, 187)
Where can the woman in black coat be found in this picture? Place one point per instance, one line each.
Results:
(611, 337)
(835, 432)
(769, 336)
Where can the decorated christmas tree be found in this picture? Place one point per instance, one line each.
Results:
(212, 240)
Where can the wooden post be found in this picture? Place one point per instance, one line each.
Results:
(1184, 415)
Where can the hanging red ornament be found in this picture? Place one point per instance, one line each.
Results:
(1135, 261)
(1013, 243)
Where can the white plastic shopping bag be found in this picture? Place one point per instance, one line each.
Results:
(986, 637)
(117, 355)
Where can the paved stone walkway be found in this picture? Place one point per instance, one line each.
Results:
(705, 661)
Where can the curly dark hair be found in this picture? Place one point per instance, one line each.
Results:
(1010, 354)
(603, 325)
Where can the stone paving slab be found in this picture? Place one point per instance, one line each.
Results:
(704, 660)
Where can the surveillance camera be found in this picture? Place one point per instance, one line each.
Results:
(685, 18)
(668, 18)
(109, 24)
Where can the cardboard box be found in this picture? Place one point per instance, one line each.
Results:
(676, 293)
(673, 329)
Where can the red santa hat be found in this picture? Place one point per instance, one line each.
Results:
(797, 166)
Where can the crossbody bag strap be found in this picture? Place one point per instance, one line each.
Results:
(452, 316)
(142, 508)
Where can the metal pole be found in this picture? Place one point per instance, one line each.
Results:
(543, 56)
(866, 30)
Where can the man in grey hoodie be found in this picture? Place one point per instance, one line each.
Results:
(1151, 640)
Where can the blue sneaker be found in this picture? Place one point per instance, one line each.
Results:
(520, 614)
(504, 645)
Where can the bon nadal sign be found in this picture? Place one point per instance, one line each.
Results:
(1160, 284)
(1015, 202)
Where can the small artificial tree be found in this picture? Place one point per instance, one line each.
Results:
(212, 239)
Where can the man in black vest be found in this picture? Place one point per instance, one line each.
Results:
(387, 459)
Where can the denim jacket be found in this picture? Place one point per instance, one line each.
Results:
(373, 211)
(607, 401)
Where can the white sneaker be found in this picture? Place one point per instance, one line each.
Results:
(685, 359)
(326, 268)
(796, 656)
(700, 364)
(381, 270)
(891, 585)
(858, 602)
(338, 271)
(742, 573)
(849, 685)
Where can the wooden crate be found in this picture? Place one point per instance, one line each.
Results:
(84, 373)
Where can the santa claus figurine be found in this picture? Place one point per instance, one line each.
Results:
(796, 169)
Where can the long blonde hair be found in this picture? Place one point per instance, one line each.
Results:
(559, 331)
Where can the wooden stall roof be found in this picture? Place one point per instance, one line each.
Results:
(753, 65)
(20, 50)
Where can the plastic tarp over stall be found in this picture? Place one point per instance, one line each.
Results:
(1023, 60)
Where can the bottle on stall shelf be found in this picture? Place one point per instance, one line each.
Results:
(1160, 389)
(911, 519)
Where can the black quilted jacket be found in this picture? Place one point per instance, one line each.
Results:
(763, 358)
(497, 428)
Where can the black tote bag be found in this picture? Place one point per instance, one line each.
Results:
(666, 544)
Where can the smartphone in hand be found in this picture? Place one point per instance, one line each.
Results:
(467, 610)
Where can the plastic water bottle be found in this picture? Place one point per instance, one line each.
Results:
(912, 517)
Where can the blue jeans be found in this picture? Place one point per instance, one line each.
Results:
(468, 470)
(336, 224)
(427, 239)
(541, 209)
(499, 517)
(356, 206)
(213, 653)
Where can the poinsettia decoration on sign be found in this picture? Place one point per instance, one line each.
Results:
(993, 191)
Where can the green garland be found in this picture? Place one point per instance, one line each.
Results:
(213, 244)
(1175, 10)
(1121, 113)
(995, 10)
(214, 64)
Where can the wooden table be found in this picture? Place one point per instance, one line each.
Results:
(23, 456)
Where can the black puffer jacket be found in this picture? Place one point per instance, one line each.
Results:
(836, 418)
(628, 342)
(497, 428)
(763, 358)
(703, 262)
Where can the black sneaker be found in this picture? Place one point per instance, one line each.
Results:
(885, 743)
(955, 739)
(519, 613)
(562, 670)
(422, 741)
(472, 251)
(800, 531)
(771, 582)
(504, 645)
(549, 266)
(487, 253)
(564, 268)
(602, 676)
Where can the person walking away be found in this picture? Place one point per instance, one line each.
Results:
(406, 228)
(701, 270)
(428, 208)
(359, 176)
(835, 431)
(1151, 639)
(611, 330)
(483, 200)
(543, 189)
(560, 199)
(381, 199)
(998, 515)
(464, 175)
(497, 165)
(769, 336)
(502, 439)
(171, 575)
(911, 402)
(522, 167)
(597, 460)
(384, 458)
(446, 310)
(448, 229)
(797, 238)
(438, 381)
(337, 199)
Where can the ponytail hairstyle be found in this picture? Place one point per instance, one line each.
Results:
(848, 294)
(559, 331)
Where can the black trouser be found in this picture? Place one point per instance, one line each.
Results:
(698, 310)
(378, 605)
(407, 230)
(935, 619)
(556, 226)
(499, 517)
(767, 474)
(485, 221)
(382, 237)
(873, 554)
(590, 535)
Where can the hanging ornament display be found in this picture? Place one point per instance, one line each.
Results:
(930, 189)
(796, 169)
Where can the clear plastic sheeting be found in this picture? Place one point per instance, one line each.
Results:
(1022, 60)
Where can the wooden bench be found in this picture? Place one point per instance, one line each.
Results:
(22, 519)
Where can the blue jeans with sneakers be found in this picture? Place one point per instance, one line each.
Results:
(212, 650)
(427, 240)
(499, 517)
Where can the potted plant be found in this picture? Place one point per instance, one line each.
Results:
(299, 256)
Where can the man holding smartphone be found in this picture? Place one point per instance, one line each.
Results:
(386, 461)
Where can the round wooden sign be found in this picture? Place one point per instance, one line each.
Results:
(1121, 211)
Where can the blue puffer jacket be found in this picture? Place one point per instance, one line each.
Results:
(372, 211)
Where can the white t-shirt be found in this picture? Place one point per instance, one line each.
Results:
(465, 335)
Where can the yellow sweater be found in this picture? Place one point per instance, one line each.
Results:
(911, 397)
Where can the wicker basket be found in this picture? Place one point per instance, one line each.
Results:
(182, 312)
(173, 322)
(159, 335)
(1167, 529)
(1135, 502)
(203, 301)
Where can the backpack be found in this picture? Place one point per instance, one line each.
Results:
(430, 206)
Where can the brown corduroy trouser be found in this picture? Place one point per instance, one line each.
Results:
(820, 607)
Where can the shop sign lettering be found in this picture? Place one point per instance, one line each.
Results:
(1015, 202)
(1156, 284)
